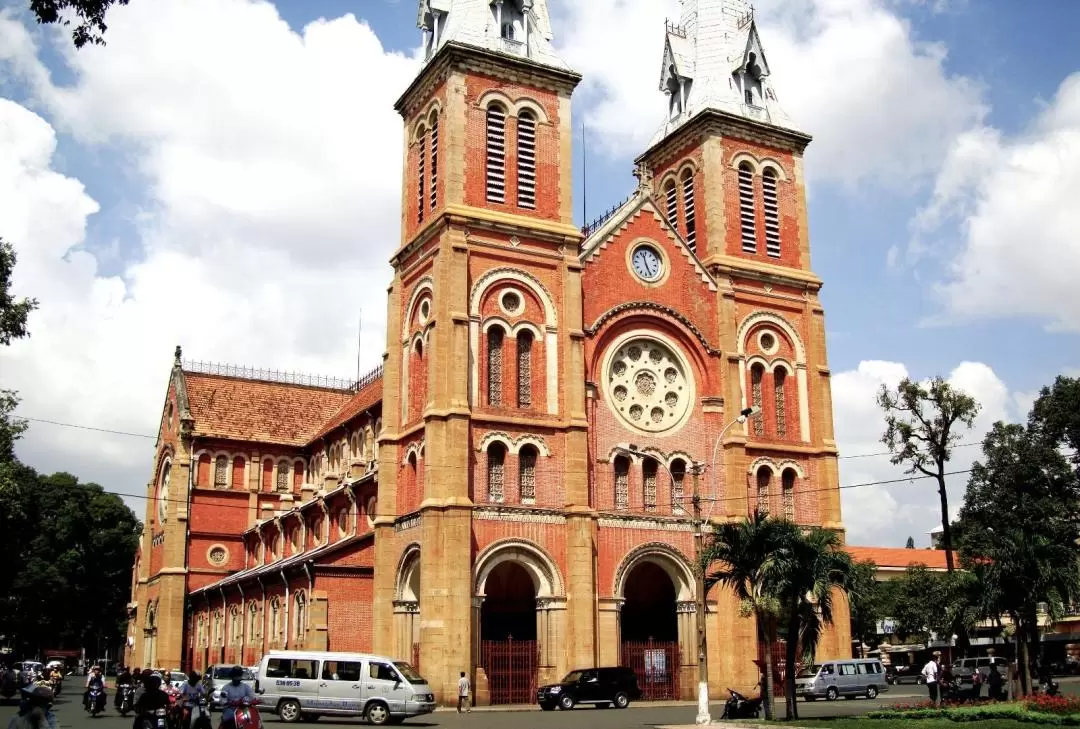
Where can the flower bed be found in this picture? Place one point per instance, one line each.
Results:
(1050, 710)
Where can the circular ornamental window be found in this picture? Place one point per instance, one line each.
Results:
(647, 384)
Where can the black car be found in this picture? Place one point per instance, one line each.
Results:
(601, 686)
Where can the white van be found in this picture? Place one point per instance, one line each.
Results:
(847, 678)
(307, 684)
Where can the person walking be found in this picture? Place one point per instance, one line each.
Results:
(463, 691)
(995, 681)
(930, 675)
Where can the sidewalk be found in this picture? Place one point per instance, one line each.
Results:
(534, 707)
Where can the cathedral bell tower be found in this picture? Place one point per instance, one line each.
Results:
(486, 222)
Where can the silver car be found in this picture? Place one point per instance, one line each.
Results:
(848, 678)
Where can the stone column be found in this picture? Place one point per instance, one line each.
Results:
(686, 617)
(610, 632)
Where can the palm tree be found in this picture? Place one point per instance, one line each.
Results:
(751, 557)
(815, 569)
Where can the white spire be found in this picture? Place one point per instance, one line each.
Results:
(519, 28)
(713, 59)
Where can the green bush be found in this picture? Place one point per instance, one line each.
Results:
(985, 712)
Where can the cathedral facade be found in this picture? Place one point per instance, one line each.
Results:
(509, 494)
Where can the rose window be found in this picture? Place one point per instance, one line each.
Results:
(647, 385)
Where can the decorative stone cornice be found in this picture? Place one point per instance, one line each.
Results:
(633, 522)
(410, 521)
(521, 515)
(652, 306)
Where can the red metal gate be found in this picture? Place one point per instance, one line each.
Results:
(510, 666)
(416, 656)
(656, 666)
(779, 661)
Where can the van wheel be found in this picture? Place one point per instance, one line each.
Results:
(289, 711)
(871, 693)
(378, 714)
(566, 702)
(832, 694)
(622, 700)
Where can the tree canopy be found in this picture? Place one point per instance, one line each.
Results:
(89, 15)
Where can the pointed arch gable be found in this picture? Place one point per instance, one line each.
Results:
(498, 275)
(425, 284)
(665, 556)
(408, 574)
(541, 568)
(763, 462)
(490, 438)
(760, 317)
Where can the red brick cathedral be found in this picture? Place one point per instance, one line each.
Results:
(508, 494)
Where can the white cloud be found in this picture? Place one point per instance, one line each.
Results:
(269, 220)
(887, 514)
(1013, 200)
(851, 72)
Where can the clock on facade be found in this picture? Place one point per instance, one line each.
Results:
(647, 263)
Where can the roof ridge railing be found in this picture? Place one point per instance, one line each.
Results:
(675, 28)
(746, 18)
(606, 216)
(301, 379)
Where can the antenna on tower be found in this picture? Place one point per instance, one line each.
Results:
(584, 178)
(359, 333)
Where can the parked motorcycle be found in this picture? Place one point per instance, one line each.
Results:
(95, 701)
(127, 699)
(1050, 688)
(740, 707)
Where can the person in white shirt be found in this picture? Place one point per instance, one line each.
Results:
(930, 676)
(463, 688)
(233, 694)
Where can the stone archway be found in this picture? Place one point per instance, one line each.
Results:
(517, 621)
(407, 607)
(656, 620)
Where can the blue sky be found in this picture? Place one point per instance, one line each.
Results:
(225, 175)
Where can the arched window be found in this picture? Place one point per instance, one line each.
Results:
(527, 474)
(362, 446)
(772, 212)
(678, 485)
(421, 173)
(221, 472)
(283, 476)
(648, 483)
(495, 366)
(301, 615)
(253, 621)
(496, 465)
(780, 391)
(524, 363)
(275, 618)
(746, 208)
(788, 481)
(757, 374)
(235, 625)
(526, 160)
(688, 209)
(748, 96)
(671, 197)
(434, 159)
(496, 153)
(622, 482)
(764, 475)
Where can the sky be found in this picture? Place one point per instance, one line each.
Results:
(224, 175)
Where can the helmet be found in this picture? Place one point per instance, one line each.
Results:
(236, 672)
(40, 695)
(194, 677)
(153, 681)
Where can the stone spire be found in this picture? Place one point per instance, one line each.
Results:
(713, 59)
(520, 28)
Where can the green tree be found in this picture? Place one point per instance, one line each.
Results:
(926, 602)
(13, 312)
(921, 429)
(1018, 530)
(90, 15)
(870, 601)
(749, 558)
(815, 570)
(1055, 415)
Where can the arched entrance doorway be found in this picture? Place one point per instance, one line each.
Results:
(407, 608)
(517, 594)
(656, 621)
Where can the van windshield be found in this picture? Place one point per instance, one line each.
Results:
(809, 672)
(408, 672)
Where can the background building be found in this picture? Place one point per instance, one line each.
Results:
(475, 505)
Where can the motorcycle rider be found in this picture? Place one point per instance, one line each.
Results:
(151, 698)
(123, 679)
(233, 694)
(94, 680)
(191, 694)
(35, 709)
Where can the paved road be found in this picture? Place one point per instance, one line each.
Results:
(70, 715)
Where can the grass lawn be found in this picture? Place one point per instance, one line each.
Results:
(864, 723)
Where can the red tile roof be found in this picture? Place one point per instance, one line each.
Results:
(255, 410)
(361, 401)
(898, 557)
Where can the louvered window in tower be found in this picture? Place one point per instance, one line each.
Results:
(763, 477)
(527, 474)
(526, 160)
(772, 213)
(221, 472)
(678, 485)
(496, 464)
(688, 209)
(622, 482)
(671, 194)
(648, 484)
(421, 176)
(495, 366)
(283, 476)
(524, 363)
(434, 161)
(756, 376)
(779, 385)
(788, 481)
(746, 208)
(496, 154)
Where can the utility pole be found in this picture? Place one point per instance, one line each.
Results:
(703, 716)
